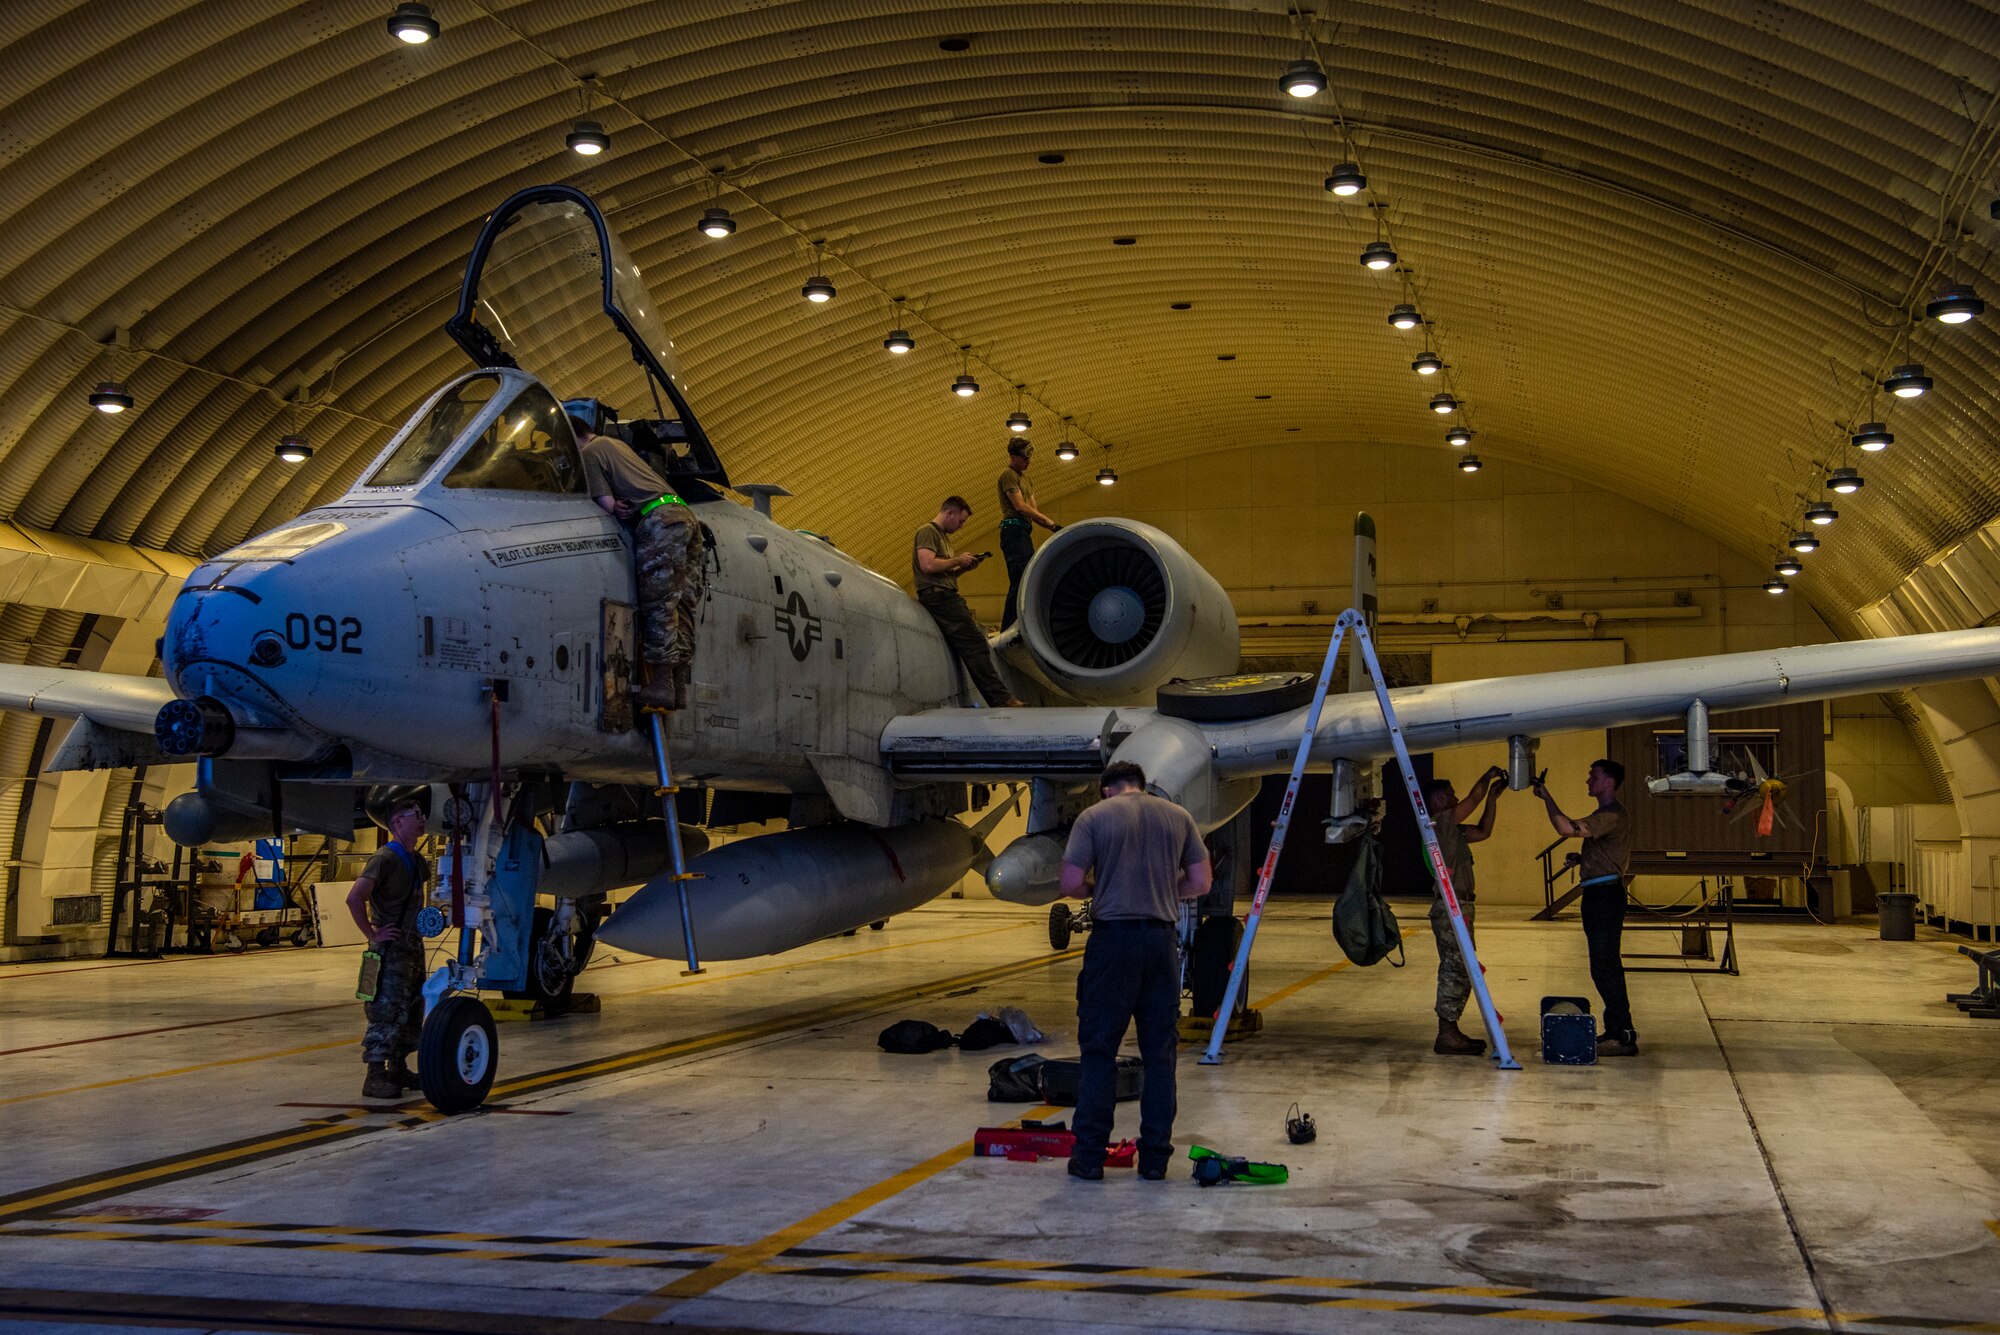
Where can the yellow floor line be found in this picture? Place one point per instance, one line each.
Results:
(178, 1070)
(741, 1260)
(1293, 989)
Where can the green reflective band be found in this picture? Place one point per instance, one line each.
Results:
(655, 504)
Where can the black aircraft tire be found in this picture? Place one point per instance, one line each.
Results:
(1242, 695)
(457, 1054)
(1059, 926)
(542, 985)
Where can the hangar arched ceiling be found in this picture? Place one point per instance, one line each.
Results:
(1663, 246)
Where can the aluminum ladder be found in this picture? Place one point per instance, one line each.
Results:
(667, 790)
(1364, 644)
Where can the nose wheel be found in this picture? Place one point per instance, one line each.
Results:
(1065, 922)
(457, 1054)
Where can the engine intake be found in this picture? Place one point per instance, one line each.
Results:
(1112, 609)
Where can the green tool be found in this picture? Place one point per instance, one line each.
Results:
(1212, 1169)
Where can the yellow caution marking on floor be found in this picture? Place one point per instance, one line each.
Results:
(1293, 989)
(178, 1070)
(1543, 1314)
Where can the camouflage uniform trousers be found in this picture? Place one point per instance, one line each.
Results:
(1454, 983)
(666, 547)
(396, 1016)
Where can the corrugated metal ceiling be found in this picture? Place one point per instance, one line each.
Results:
(1662, 244)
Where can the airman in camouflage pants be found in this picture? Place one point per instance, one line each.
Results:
(396, 1015)
(1454, 983)
(666, 546)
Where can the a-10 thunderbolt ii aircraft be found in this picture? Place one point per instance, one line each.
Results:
(462, 618)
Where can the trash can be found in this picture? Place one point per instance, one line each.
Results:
(1898, 920)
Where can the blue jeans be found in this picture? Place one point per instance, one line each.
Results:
(1131, 971)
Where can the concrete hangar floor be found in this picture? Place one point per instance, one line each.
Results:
(1812, 1146)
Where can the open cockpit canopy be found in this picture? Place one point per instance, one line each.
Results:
(549, 288)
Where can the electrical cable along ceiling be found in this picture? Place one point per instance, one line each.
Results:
(1666, 248)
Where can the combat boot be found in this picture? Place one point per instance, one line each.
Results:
(658, 692)
(399, 1071)
(1453, 1043)
(380, 1084)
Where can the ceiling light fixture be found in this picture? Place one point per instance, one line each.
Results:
(110, 397)
(1775, 585)
(588, 138)
(1873, 437)
(1955, 305)
(1018, 421)
(1443, 403)
(817, 289)
(1066, 451)
(1405, 316)
(1458, 435)
(1470, 464)
(1907, 381)
(964, 386)
(1378, 255)
(716, 222)
(294, 450)
(1303, 78)
(1346, 180)
(1789, 566)
(1819, 512)
(899, 341)
(1107, 476)
(1427, 363)
(1844, 480)
(413, 24)
(1803, 542)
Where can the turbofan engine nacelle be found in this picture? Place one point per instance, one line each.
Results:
(1112, 609)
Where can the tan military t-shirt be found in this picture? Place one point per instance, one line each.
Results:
(1014, 487)
(1457, 855)
(1607, 843)
(1138, 845)
(931, 538)
(610, 468)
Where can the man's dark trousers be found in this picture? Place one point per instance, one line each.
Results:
(1131, 971)
(1603, 926)
(1017, 547)
(954, 620)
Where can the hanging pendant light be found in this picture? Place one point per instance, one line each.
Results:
(1775, 585)
(1803, 542)
(1907, 381)
(1107, 476)
(413, 23)
(1066, 451)
(716, 222)
(1303, 78)
(588, 138)
(110, 397)
(1428, 363)
(1873, 437)
(817, 289)
(1346, 180)
(1378, 255)
(1443, 403)
(294, 450)
(1819, 512)
(1405, 316)
(1018, 421)
(1458, 436)
(1955, 305)
(1844, 480)
(1789, 566)
(965, 386)
(1469, 464)
(899, 341)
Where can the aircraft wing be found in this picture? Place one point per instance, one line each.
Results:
(126, 703)
(1204, 765)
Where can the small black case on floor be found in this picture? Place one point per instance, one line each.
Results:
(1569, 1034)
(1061, 1075)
